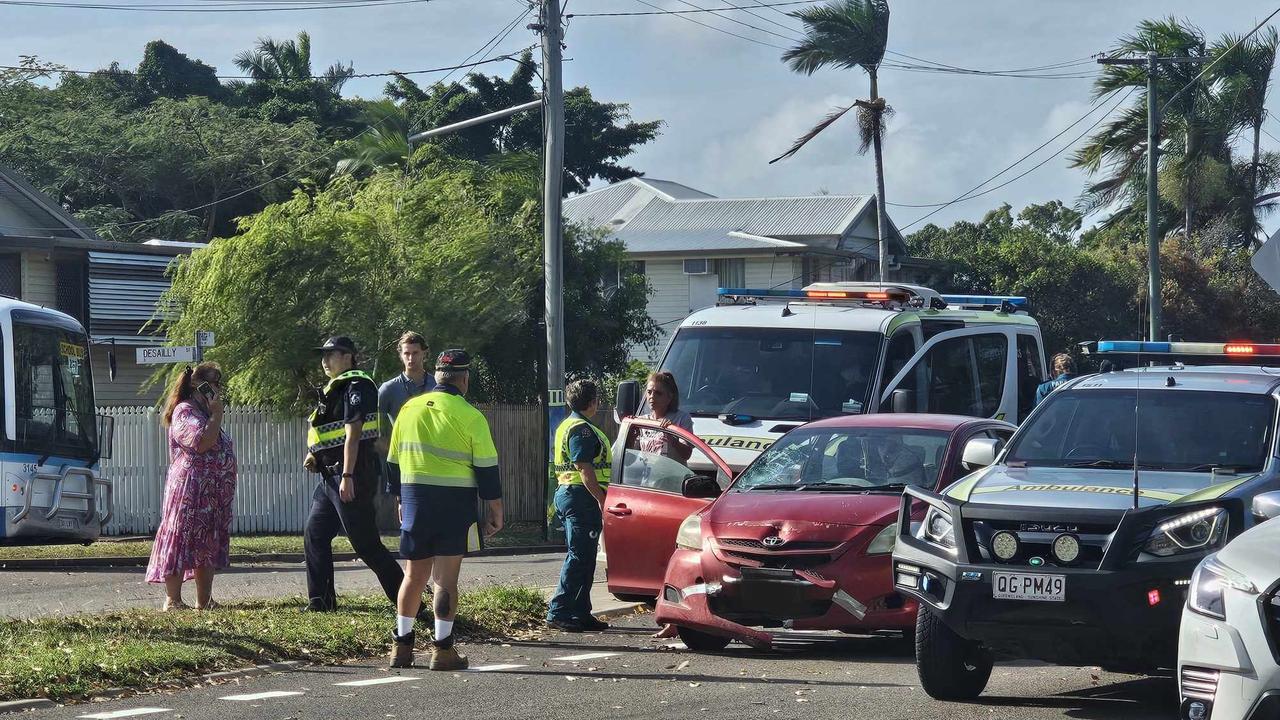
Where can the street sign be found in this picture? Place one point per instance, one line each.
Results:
(162, 355)
(204, 338)
(1266, 261)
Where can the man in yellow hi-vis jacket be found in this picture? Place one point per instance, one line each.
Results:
(340, 447)
(447, 459)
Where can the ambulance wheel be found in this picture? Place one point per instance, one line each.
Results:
(698, 641)
(950, 667)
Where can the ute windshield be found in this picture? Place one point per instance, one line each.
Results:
(848, 459)
(54, 407)
(773, 373)
(1185, 430)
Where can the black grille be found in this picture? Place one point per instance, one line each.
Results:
(1035, 539)
(756, 544)
(11, 275)
(783, 562)
(1271, 608)
(70, 288)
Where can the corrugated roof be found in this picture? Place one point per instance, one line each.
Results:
(674, 189)
(771, 217)
(39, 217)
(125, 292)
(698, 240)
(599, 207)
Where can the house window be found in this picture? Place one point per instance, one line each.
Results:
(732, 272)
(625, 269)
(70, 288)
(11, 275)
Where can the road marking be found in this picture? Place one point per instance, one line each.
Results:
(495, 668)
(586, 656)
(126, 713)
(262, 695)
(378, 681)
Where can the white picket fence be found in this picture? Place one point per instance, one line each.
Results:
(273, 491)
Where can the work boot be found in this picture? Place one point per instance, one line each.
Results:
(447, 658)
(592, 624)
(402, 651)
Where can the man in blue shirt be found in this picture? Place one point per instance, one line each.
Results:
(1064, 369)
(395, 392)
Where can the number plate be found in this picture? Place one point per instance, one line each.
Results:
(1028, 586)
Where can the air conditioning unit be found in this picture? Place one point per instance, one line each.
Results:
(697, 266)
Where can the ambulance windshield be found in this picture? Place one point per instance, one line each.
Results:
(773, 373)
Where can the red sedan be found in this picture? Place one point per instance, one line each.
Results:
(800, 540)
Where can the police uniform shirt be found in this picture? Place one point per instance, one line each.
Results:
(356, 401)
(584, 445)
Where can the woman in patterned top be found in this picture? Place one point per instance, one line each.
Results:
(194, 537)
(663, 396)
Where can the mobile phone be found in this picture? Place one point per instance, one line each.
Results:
(206, 390)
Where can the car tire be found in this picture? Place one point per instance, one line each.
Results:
(699, 641)
(950, 667)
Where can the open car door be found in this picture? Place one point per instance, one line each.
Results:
(660, 477)
(971, 371)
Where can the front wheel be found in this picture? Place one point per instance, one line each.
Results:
(701, 642)
(950, 667)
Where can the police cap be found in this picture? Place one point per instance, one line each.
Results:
(340, 343)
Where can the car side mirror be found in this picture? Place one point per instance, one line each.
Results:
(628, 400)
(903, 400)
(1266, 506)
(980, 452)
(701, 487)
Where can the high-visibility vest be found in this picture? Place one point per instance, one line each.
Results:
(567, 473)
(439, 439)
(326, 435)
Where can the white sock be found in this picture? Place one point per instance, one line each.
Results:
(404, 625)
(444, 628)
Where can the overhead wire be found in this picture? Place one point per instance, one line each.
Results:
(1218, 59)
(265, 6)
(56, 70)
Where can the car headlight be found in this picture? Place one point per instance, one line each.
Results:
(884, 541)
(1193, 532)
(1209, 582)
(936, 528)
(689, 536)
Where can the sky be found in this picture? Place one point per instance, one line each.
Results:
(728, 105)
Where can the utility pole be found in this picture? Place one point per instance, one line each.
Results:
(1152, 62)
(553, 229)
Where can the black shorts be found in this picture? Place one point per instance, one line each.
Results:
(437, 521)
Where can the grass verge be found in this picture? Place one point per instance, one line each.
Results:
(72, 657)
(513, 535)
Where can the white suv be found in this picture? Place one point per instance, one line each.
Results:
(1229, 644)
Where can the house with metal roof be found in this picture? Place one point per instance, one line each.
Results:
(689, 243)
(49, 258)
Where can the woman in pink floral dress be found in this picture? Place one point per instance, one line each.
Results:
(194, 537)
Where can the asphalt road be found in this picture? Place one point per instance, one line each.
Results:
(63, 592)
(623, 673)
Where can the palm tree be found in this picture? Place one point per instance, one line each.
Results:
(1245, 74)
(289, 61)
(848, 34)
(384, 143)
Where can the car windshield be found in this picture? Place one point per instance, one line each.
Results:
(54, 390)
(1175, 430)
(773, 373)
(849, 459)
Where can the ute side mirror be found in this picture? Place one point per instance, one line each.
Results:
(1266, 506)
(903, 401)
(980, 452)
(700, 487)
(628, 400)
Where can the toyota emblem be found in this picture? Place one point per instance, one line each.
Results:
(773, 541)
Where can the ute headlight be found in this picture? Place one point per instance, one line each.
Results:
(937, 529)
(1004, 545)
(1066, 548)
(1195, 531)
(884, 541)
(689, 536)
(1208, 585)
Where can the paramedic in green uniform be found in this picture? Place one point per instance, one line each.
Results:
(582, 462)
(446, 458)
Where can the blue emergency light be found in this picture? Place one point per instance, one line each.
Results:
(1235, 349)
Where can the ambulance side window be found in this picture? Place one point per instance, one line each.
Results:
(1030, 373)
(901, 347)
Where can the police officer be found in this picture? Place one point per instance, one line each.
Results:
(582, 462)
(446, 458)
(344, 429)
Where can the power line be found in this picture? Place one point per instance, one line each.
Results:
(63, 71)
(266, 7)
(971, 194)
(730, 18)
(1218, 59)
(660, 11)
(695, 21)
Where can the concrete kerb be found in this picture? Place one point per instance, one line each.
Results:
(240, 559)
(15, 706)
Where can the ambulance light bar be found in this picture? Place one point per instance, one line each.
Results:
(885, 295)
(1238, 349)
(987, 302)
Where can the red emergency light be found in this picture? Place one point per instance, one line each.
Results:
(1153, 597)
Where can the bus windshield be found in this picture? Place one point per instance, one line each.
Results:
(773, 373)
(54, 390)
